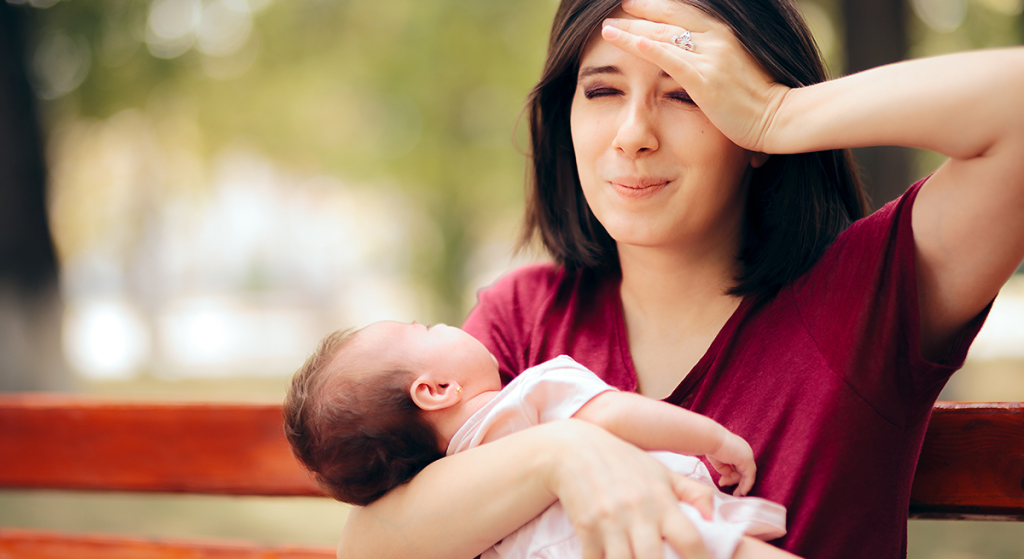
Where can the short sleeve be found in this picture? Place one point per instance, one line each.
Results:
(859, 303)
(553, 390)
(557, 389)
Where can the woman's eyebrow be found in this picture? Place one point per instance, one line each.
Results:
(592, 70)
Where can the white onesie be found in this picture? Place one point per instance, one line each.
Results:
(556, 390)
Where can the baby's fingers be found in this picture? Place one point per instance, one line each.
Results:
(747, 482)
(731, 477)
(723, 468)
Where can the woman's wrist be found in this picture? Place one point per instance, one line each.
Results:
(554, 454)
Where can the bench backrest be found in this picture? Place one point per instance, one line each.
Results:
(971, 466)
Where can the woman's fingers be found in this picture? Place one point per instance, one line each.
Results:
(671, 12)
(681, 536)
(695, 493)
(660, 32)
(668, 57)
(646, 541)
(617, 496)
(604, 545)
(607, 541)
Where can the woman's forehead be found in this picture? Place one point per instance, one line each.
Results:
(595, 37)
(601, 57)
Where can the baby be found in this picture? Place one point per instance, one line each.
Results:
(370, 409)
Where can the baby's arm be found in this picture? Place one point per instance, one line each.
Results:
(656, 425)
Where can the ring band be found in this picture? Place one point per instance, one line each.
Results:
(683, 40)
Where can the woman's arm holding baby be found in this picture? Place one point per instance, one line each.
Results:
(656, 425)
(622, 502)
(405, 522)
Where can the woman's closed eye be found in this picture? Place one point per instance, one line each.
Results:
(600, 91)
(681, 95)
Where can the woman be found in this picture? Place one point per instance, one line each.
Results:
(709, 254)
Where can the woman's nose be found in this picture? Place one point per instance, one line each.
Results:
(637, 133)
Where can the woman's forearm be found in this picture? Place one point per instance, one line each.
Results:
(960, 105)
(460, 505)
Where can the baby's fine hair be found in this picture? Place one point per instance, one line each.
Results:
(359, 432)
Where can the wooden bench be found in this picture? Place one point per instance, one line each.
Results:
(972, 465)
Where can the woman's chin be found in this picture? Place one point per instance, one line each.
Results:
(640, 239)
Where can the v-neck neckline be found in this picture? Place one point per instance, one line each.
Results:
(684, 391)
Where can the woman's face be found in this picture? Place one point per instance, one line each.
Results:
(654, 170)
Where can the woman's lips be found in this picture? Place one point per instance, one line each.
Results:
(635, 189)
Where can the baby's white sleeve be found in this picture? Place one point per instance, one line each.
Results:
(557, 389)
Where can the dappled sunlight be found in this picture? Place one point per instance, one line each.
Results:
(1002, 337)
(237, 275)
(105, 338)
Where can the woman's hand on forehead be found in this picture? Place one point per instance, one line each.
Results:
(721, 77)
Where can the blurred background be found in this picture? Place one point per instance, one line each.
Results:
(194, 192)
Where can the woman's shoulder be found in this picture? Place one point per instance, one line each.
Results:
(515, 297)
(530, 276)
(870, 245)
(533, 294)
(544, 281)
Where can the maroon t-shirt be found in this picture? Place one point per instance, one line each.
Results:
(825, 381)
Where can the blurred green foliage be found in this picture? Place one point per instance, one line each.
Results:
(422, 95)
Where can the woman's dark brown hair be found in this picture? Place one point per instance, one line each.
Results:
(797, 204)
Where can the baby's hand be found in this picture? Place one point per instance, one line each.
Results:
(735, 461)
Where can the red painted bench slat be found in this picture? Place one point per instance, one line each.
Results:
(33, 544)
(972, 463)
(63, 442)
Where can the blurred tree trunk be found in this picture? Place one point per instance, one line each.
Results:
(30, 306)
(876, 34)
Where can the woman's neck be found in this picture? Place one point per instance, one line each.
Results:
(674, 304)
(676, 284)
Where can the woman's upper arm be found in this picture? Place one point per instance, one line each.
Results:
(968, 223)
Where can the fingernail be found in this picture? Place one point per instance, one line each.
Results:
(610, 32)
(627, 4)
(611, 22)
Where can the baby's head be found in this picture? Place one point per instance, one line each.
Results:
(371, 408)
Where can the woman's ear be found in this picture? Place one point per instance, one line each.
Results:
(431, 395)
(757, 159)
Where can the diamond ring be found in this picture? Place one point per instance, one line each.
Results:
(683, 40)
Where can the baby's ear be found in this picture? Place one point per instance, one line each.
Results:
(431, 395)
